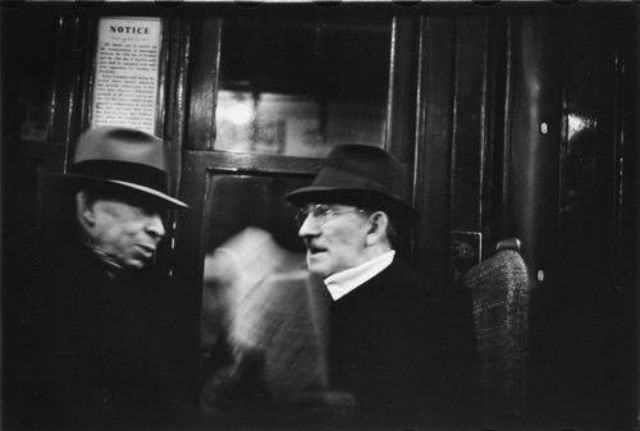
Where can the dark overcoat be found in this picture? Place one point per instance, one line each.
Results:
(404, 350)
(100, 351)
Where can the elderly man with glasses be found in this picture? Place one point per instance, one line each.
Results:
(388, 340)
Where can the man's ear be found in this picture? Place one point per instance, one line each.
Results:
(84, 211)
(378, 226)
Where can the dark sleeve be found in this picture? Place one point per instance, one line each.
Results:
(42, 378)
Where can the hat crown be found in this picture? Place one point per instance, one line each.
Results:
(354, 173)
(128, 159)
(373, 165)
(118, 144)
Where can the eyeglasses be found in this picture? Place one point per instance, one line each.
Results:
(321, 213)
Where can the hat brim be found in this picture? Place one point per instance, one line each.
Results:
(70, 182)
(355, 196)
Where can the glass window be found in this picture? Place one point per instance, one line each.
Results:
(235, 201)
(299, 87)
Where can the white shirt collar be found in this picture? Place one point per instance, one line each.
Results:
(343, 282)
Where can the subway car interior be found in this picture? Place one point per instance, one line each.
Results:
(515, 122)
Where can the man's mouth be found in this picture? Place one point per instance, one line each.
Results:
(147, 251)
(314, 249)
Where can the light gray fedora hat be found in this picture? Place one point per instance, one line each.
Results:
(122, 157)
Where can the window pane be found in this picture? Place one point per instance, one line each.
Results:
(299, 87)
(235, 201)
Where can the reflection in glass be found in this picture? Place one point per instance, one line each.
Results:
(578, 123)
(299, 87)
(251, 200)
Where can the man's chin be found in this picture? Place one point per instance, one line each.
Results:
(317, 268)
(136, 264)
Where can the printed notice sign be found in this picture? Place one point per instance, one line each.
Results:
(126, 79)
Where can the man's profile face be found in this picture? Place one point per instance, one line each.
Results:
(126, 233)
(335, 237)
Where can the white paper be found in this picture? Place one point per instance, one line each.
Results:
(126, 77)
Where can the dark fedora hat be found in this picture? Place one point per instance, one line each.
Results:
(123, 158)
(359, 175)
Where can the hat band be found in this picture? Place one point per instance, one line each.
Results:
(337, 177)
(130, 172)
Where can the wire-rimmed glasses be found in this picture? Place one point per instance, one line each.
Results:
(321, 213)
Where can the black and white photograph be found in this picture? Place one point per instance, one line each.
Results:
(319, 215)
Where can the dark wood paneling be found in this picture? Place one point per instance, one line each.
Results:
(470, 140)
(88, 40)
(469, 129)
(204, 83)
(176, 84)
(250, 162)
(534, 135)
(39, 85)
(590, 171)
(67, 85)
(433, 153)
(402, 95)
(631, 208)
(171, 117)
(188, 246)
(402, 92)
(491, 171)
(583, 300)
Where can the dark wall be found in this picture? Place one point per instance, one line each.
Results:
(525, 130)
(567, 161)
(28, 64)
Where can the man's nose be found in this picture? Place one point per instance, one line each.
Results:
(309, 227)
(155, 227)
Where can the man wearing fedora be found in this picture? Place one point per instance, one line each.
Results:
(389, 340)
(100, 324)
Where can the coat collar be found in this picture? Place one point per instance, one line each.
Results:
(344, 282)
